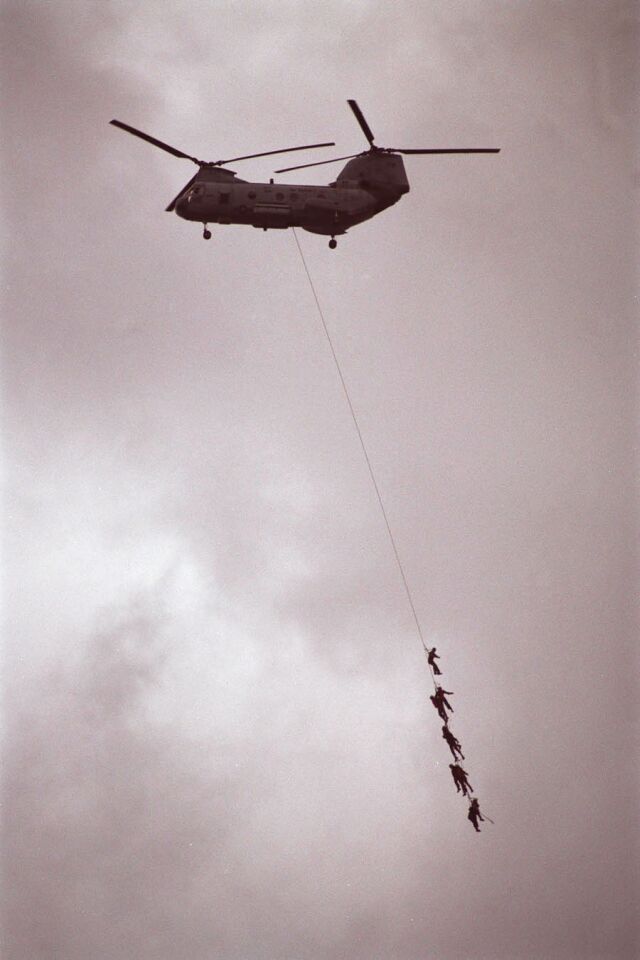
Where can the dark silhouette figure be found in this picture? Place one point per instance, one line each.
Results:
(441, 703)
(460, 779)
(442, 713)
(474, 814)
(453, 742)
(431, 660)
(440, 693)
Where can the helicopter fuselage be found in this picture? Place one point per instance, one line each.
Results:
(218, 196)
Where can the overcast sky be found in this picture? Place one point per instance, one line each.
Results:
(219, 742)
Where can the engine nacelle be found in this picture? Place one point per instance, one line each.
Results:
(377, 171)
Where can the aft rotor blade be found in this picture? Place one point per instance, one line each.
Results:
(269, 153)
(366, 129)
(456, 150)
(318, 163)
(172, 205)
(156, 143)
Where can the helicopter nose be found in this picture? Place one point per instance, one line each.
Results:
(187, 206)
(182, 206)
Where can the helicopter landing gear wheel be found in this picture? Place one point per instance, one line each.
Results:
(333, 243)
(206, 233)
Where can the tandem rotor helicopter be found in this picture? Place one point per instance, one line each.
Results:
(369, 183)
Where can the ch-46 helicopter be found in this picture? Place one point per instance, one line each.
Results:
(370, 182)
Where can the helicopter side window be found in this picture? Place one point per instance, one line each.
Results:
(279, 196)
(224, 198)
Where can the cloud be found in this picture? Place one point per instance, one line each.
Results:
(219, 733)
(106, 815)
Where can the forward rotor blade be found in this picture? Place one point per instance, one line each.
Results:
(318, 163)
(456, 150)
(172, 205)
(156, 143)
(366, 129)
(268, 153)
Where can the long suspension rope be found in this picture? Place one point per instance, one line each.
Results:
(372, 475)
(366, 455)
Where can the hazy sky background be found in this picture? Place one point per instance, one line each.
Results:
(218, 738)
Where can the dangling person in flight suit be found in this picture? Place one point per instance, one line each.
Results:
(437, 702)
(460, 779)
(441, 698)
(474, 814)
(453, 742)
(431, 660)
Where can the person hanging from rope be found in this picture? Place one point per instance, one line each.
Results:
(453, 743)
(442, 694)
(474, 814)
(442, 713)
(432, 656)
(441, 703)
(460, 779)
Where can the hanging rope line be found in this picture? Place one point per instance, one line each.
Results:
(467, 790)
(364, 450)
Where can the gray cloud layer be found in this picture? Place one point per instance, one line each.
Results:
(218, 741)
